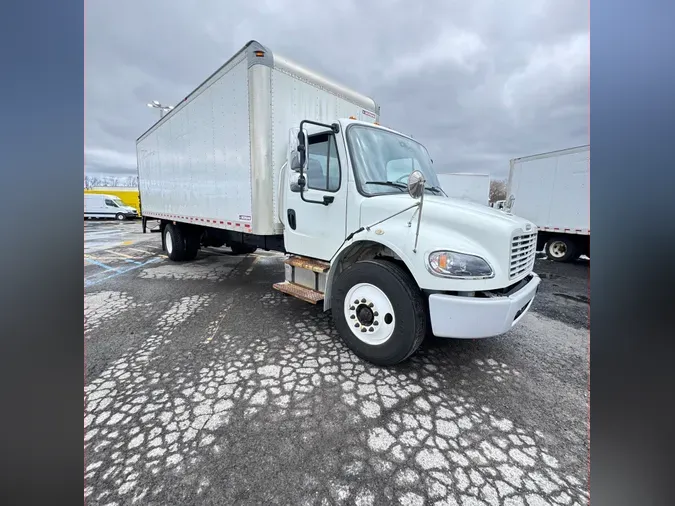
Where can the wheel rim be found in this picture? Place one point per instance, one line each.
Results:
(169, 243)
(120, 217)
(558, 249)
(369, 314)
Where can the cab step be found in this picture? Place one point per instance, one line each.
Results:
(299, 292)
(308, 264)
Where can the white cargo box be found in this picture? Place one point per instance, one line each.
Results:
(552, 190)
(215, 158)
(467, 186)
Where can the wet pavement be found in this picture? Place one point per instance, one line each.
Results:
(205, 386)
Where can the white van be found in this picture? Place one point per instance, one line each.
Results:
(107, 206)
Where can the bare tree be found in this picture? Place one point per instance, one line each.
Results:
(131, 181)
(497, 190)
(110, 181)
(91, 182)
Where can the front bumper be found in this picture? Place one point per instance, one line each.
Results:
(474, 318)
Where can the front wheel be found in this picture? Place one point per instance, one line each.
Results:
(120, 217)
(379, 312)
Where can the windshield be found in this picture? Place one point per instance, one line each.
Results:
(383, 160)
(119, 203)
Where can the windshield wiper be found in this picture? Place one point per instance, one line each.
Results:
(436, 190)
(400, 186)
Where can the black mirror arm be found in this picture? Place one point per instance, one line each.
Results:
(327, 199)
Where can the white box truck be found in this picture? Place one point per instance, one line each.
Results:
(467, 186)
(268, 154)
(552, 191)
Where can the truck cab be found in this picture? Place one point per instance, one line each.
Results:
(372, 236)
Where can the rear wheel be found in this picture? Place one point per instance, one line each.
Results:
(174, 243)
(379, 312)
(561, 249)
(192, 240)
(242, 249)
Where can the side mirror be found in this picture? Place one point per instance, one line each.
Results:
(303, 142)
(296, 165)
(297, 145)
(299, 186)
(416, 184)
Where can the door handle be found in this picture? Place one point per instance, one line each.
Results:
(291, 218)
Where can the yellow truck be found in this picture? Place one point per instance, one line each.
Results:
(129, 196)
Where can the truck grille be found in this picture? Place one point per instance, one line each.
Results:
(523, 251)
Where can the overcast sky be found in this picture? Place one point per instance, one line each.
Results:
(478, 82)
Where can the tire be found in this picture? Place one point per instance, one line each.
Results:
(395, 337)
(192, 241)
(242, 249)
(120, 217)
(561, 249)
(175, 243)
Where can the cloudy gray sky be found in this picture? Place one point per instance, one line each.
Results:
(477, 82)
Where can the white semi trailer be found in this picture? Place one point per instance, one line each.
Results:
(467, 186)
(552, 191)
(269, 154)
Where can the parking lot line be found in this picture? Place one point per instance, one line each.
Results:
(250, 269)
(142, 251)
(89, 282)
(100, 264)
(122, 254)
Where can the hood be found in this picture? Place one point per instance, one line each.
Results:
(447, 224)
(443, 209)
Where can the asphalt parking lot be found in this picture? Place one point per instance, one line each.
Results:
(205, 386)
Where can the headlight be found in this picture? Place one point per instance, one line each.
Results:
(458, 265)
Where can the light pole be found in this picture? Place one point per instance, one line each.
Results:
(163, 109)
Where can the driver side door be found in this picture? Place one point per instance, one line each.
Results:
(314, 229)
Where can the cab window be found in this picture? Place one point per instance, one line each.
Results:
(110, 203)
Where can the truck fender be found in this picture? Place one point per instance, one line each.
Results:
(365, 247)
